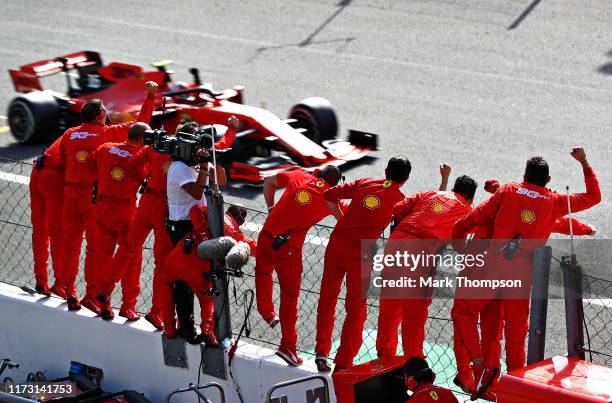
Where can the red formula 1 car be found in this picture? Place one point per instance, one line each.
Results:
(265, 144)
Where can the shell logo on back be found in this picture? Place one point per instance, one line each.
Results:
(437, 208)
(303, 197)
(117, 173)
(528, 216)
(81, 155)
(371, 202)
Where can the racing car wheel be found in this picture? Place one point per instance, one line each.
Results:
(317, 117)
(32, 116)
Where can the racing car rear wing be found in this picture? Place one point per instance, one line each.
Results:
(26, 79)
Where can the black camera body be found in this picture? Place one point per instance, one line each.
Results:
(184, 146)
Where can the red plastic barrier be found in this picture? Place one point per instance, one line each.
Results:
(557, 379)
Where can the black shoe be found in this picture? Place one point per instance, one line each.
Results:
(191, 336)
(44, 290)
(323, 364)
(73, 304)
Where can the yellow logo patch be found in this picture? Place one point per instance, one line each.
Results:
(81, 156)
(528, 216)
(433, 395)
(371, 202)
(386, 183)
(166, 167)
(117, 173)
(320, 183)
(437, 208)
(303, 197)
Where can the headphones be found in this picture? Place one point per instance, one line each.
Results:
(412, 381)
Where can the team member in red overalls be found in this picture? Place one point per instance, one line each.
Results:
(531, 211)
(368, 214)
(491, 318)
(75, 148)
(183, 264)
(424, 222)
(280, 246)
(46, 202)
(118, 182)
(419, 379)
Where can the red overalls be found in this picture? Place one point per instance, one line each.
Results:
(300, 207)
(189, 268)
(370, 211)
(46, 203)
(516, 208)
(75, 148)
(425, 221)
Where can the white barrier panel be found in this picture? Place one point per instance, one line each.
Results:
(42, 335)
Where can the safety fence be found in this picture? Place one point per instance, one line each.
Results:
(597, 319)
(17, 263)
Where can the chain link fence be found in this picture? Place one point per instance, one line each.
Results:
(17, 269)
(597, 319)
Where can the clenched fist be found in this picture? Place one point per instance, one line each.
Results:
(445, 170)
(578, 154)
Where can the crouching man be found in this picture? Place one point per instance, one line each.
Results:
(184, 264)
(419, 379)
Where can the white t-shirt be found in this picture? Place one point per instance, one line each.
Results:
(179, 201)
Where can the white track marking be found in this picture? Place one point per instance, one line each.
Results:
(24, 180)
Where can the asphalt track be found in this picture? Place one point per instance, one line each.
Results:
(481, 84)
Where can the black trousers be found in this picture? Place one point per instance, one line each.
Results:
(183, 295)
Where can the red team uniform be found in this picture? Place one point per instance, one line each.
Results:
(427, 216)
(189, 268)
(151, 214)
(75, 148)
(516, 208)
(300, 207)
(367, 216)
(115, 210)
(46, 202)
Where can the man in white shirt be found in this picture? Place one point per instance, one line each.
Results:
(185, 188)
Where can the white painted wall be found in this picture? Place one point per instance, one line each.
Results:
(42, 335)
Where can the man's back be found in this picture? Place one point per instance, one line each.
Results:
(77, 145)
(116, 177)
(430, 215)
(301, 206)
(369, 213)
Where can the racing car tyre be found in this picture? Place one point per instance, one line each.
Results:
(317, 116)
(33, 116)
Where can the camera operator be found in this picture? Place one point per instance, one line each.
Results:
(187, 181)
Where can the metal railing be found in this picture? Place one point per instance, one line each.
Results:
(196, 390)
(293, 382)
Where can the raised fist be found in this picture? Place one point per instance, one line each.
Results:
(578, 154)
(445, 170)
